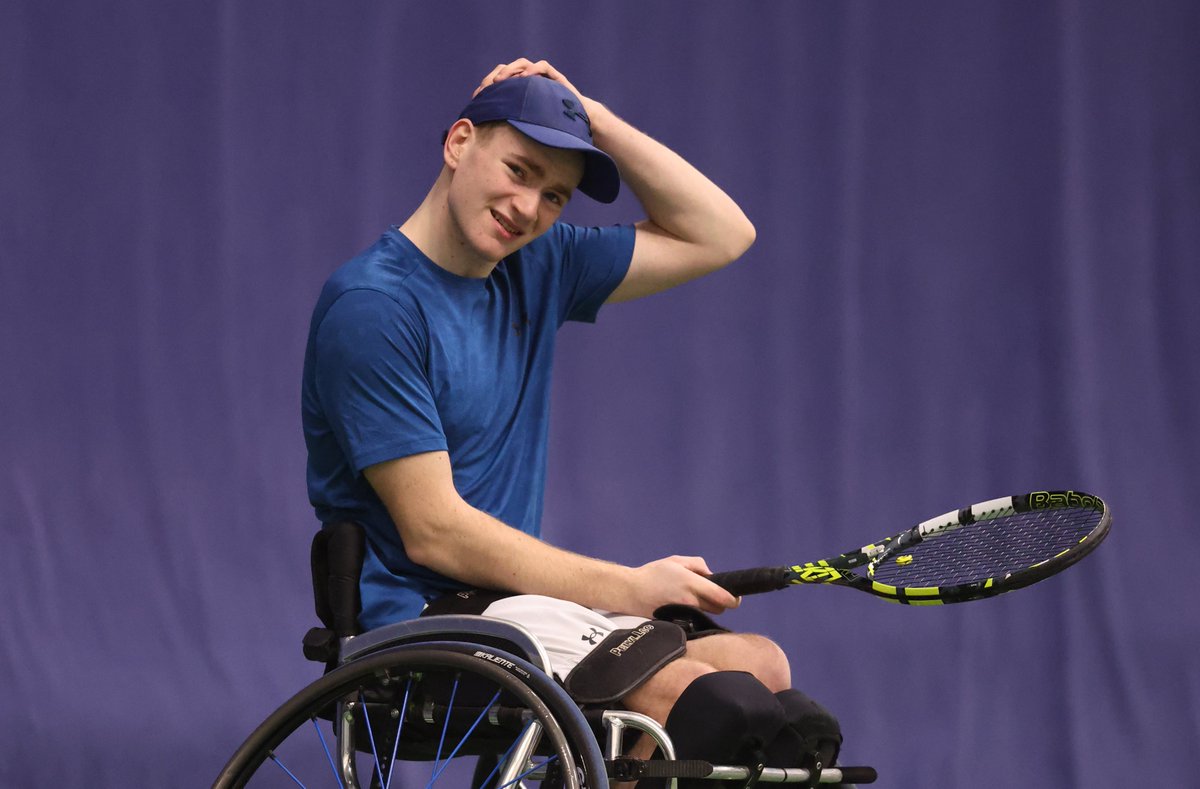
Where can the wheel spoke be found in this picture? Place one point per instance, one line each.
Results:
(362, 703)
(399, 728)
(328, 755)
(466, 736)
(445, 725)
(283, 767)
(504, 757)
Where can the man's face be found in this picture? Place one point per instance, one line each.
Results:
(507, 189)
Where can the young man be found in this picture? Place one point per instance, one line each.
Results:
(426, 384)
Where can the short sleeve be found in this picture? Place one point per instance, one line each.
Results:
(370, 377)
(594, 262)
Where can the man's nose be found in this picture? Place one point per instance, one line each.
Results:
(525, 204)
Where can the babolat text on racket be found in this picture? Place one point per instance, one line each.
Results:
(967, 554)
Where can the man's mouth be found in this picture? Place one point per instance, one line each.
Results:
(505, 225)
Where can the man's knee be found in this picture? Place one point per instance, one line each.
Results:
(723, 717)
(724, 653)
(731, 717)
(770, 663)
(755, 654)
(658, 695)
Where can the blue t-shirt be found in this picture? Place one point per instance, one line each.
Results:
(404, 357)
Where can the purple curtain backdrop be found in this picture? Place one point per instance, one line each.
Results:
(978, 225)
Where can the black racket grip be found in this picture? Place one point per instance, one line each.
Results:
(753, 581)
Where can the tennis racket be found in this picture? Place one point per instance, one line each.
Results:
(968, 554)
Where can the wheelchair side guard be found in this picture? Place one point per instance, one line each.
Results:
(480, 630)
(623, 661)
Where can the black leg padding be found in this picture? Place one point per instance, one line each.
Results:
(727, 717)
(811, 735)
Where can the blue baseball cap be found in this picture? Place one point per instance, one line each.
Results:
(548, 112)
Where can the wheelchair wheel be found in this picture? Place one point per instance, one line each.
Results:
(402, 716)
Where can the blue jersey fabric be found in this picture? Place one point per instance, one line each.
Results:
(404, 357)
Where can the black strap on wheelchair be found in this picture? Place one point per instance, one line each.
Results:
(628, 769)
(336, 560)
(695, 623)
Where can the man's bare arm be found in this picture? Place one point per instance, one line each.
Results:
(692, 227)
(443, 532)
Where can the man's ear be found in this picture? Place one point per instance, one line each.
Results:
(458, 137)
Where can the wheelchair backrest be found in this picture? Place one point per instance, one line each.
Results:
(337, 560)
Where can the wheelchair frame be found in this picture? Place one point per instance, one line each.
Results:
(432, 675)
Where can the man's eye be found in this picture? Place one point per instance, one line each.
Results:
(554, 198)
(517, 170)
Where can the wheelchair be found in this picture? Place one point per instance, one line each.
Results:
(406, 704)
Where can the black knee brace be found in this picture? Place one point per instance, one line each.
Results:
(811, 735)
(727, 717)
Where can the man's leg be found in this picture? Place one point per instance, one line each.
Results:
(720, 652)
(748, 652)
(728, 681)
(729, 699)
(658, 694)
(715, 655)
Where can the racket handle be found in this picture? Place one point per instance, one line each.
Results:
(753, 581)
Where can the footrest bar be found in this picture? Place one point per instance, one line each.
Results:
(633, 769)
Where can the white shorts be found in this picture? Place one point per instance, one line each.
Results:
(568, 631)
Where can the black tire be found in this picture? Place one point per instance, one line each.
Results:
(523, 692)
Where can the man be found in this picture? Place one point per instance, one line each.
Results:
(426, 386)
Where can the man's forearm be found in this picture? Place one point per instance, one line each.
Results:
(441, 531)
(477, 549)
(473, 547)
(676, 197)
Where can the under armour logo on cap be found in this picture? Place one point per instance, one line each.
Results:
(575, 114)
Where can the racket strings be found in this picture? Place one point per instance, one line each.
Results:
(988, 549)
